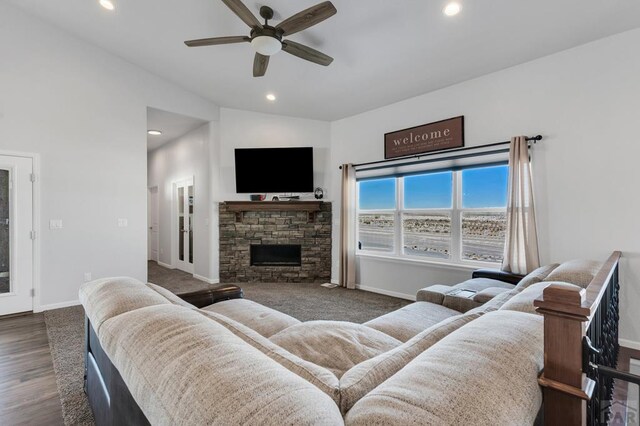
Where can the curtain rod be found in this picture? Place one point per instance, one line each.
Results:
(533, 139)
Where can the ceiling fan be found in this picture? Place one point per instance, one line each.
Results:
(267, 40)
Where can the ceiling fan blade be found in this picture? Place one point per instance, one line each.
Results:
(260, 64)
(216, 40)
(243, 13)
(307, 18)
(305, 52)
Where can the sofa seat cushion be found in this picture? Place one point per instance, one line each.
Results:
(523, 301)
(335, 345)
(579, 272)
(485, 373)
(433, 294)
(495, 303)
(536, 276)
(366, 376)
(410, 320)
(183, 368)
(265, 321)
(483, 296)
(322, 378)
(109, 297)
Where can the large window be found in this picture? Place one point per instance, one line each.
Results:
(448, 216)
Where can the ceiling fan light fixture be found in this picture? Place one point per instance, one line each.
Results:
(266, 45)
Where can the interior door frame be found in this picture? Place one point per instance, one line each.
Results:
(157, 206)
(35, 226)
(174, 219)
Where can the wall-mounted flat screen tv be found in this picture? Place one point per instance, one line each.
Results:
(262, 170)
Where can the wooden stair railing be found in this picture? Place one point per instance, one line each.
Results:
(567, 314)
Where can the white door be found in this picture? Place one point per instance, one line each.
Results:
(153, 223)
(16, 226)
(184, 205)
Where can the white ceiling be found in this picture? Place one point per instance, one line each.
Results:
(171, 125)
(384, 51)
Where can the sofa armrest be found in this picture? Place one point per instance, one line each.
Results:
(209, 296)
(496, 274)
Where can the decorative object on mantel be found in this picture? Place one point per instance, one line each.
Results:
(257, 197)
(318, 193)
(239, 207)
(437, 136)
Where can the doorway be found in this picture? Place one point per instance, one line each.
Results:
(153, 207)
(16, 234)
(183, 202)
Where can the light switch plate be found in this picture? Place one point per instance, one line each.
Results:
(87, 277)
(55, 224)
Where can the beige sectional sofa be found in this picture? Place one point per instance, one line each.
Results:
(238, 362)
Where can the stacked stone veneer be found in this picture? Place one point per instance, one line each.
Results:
(275, 227)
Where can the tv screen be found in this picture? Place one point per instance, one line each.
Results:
(262, 170)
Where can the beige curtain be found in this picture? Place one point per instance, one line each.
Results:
(347, 228)
(521, 246)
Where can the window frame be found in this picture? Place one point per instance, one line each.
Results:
(456, 212)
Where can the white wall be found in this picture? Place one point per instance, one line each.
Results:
(244, 129)
(84, 111)
(186, 157)
(586, 102)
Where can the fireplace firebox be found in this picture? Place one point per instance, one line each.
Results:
(276, 255)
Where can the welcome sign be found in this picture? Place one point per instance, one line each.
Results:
(445, 134)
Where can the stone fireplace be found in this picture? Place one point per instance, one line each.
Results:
(277, 241)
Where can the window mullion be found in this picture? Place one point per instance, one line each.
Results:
(456, 225)
(399, 237)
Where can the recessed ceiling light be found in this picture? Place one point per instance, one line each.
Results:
(271, 97)
(107, 4)
(154, 132)
(452, 9)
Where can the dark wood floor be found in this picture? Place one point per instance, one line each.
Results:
(28, 390)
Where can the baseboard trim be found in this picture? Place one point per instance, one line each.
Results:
(631, 344)
(386, 292)
(52, 306)
(205, 279)
(165, 265)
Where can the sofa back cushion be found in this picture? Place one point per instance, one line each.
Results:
(367, 375)
(109, 297)
(523, 301)
(264, 320)
(183, 368)
(322, 378)
(170, 296)
(485, 373)
(536, 276)
(334, 345)
(579, 272)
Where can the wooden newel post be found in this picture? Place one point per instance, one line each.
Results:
(566, 388)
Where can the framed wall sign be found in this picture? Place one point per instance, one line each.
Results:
(445, 134)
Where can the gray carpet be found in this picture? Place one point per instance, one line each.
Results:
(65, 328)
(306, 302)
